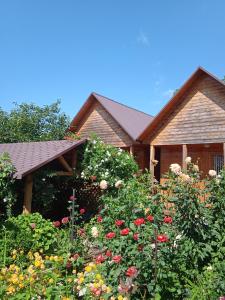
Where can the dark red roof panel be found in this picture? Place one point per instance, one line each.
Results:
(131, 120)
(28, 157)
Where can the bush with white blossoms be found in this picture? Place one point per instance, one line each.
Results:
(106, 164)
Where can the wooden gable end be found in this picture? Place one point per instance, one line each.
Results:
(97, 120)
(199, 118)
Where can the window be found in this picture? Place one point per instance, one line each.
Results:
(218, 163)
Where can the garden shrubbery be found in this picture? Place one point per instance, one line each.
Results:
(147, 241)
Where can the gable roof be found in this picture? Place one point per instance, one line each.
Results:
(30, 156)
(174, 101)
(132, 121)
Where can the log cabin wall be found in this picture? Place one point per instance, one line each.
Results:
(203, 154)
(200, 118)
(99, 121)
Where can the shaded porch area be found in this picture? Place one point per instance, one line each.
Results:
(206, 156)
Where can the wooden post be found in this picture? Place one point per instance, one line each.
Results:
(184, 156)
(28, 194)
(74, 159)
(131, 150)
(152, 157)
(224, 155)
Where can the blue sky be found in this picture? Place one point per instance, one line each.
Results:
(133, 51)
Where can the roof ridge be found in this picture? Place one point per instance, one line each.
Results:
(94, 93)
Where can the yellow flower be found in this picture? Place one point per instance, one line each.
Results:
(3, 271)
(88, 269)
(14, 279)
(108, 290)
(69, 279)
(10, 290)
(14, 252)
(81, 280)
(51, 280)
(98, 276)
(120, 297)
(21, 285)
(37, 263)
(66, 298)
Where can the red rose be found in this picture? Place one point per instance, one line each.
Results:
(140, 248)
(72, 198)
(139, 222)
(150, 218)
(56, 223)
(81, 231)
(117, 259)
(75, 256)
(108, 253)
(65, 220)
(168, 220)
(131, 272)
(135, 236)
(68, 264)
(119, 223)
(99, 259)
(110, 235)
(162, 238)
(82, 211)
(93, 178)
(99, 219)
(125, 231)
(33, 225)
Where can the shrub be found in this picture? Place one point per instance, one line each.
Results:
(32, 232)
(105, 162)
(7, 196)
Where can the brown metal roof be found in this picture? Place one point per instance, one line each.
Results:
(28, 157)
(131, 120)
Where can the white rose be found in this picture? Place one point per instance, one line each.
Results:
(175, 168)
(118, 184)
(103, 185)
(94, 232)
(212, 173)
(188, 160)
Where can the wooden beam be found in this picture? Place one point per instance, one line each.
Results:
(74, 159)
(152, 158)
(65, 164)
(184, 156)
(28, 194)
(63, 173)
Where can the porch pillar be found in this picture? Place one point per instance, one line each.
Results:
(152, 158)
(184, 156)
(74, 159)
(132, 150)
(28, 194)
(224, 155)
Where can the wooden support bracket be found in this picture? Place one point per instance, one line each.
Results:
(184, 156)
(65, 164)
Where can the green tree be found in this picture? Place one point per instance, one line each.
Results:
(30, 122)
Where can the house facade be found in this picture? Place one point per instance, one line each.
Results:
(192, 124)
(115, 124)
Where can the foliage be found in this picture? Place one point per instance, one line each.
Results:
(106, 162)
(7, 196)
(30, 122)
(31, 232)
(148, 241)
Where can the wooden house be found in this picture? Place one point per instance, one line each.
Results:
(115, 124)
(191, 124)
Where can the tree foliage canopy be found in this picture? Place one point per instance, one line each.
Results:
(30, 122)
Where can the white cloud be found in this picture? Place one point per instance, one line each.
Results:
(169, 93)
(143, 39)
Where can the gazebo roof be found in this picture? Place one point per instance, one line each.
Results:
(30, 156)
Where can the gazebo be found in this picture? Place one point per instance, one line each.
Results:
(28, 157)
